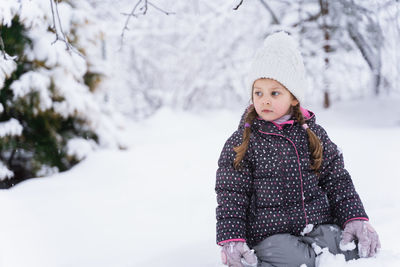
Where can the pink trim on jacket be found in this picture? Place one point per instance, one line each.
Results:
(298, 161)
(305, 112)
(357, 218)
(278, 125)
(236, 239)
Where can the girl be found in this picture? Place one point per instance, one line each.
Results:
(282, 190)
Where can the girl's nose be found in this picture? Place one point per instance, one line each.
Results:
(266, 101)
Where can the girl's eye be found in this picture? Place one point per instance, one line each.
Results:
(275, 93)
(257, 93)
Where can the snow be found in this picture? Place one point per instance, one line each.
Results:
(46, 170)
(80, 147)
(348, 246)
(10, 127)
(5, 172)
(328, 259)
(333, 229)
(7, 66)
(308, 228)
(317, 249)
(154, 203)
(8, 9)
(30, 81)
(385, 258)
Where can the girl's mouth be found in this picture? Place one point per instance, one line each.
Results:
(266, 110)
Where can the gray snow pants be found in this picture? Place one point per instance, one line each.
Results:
(285, 250)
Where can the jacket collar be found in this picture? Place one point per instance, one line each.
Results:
(272, 127)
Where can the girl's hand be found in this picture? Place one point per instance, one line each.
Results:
(233, 251)
(368, 239)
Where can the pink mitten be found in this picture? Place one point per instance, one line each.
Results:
(233, 251)
(368, 239)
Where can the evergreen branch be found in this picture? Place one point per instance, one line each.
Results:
(3, 50)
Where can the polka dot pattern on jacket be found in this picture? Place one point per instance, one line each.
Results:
(275, 190)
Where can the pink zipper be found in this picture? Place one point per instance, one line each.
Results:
(298, 161)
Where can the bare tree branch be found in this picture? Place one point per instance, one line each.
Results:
(60, 25)
(310, 18)
(236, 8)
(275, 19)
(143, 10)
(54, 13)
(156, 7)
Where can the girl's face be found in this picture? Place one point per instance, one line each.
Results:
(271, 99)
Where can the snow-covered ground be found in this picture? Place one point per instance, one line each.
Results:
(154, 204)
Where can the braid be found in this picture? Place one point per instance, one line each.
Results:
(315, 147)
(241, 150)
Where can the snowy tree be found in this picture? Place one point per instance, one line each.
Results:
(197, 56)
(52, 112)
(341, 40)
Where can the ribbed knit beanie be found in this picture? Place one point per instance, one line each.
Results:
(280, 59)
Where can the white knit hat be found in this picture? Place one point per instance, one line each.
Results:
(280, 59)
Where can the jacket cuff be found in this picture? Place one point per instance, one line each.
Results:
(356, 218)
(231, 229)
(229, 240)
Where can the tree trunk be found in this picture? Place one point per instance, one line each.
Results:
(324, 13)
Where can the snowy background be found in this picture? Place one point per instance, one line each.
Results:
(174, 90)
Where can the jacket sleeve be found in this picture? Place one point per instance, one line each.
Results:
(232, 188)
(335, 180)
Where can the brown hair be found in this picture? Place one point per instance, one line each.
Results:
(315, 146)
(251, 115)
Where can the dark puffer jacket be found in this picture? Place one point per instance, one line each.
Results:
(275, 190)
